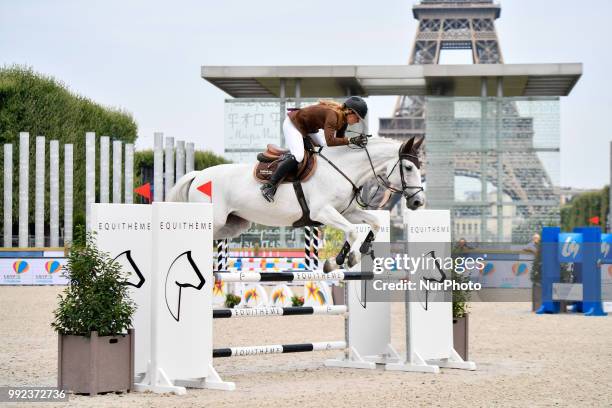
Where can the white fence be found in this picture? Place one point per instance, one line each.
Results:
(120, 173)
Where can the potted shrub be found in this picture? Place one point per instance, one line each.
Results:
(93, 320)
(460, 317)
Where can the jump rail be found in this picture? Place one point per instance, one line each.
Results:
(278, 349)
(289, 276)
(278, 311)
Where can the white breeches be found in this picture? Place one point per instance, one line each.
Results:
(295, 140)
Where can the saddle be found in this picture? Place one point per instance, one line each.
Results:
(268, 160)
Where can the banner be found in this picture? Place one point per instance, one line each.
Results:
(32, 271)
(503, 274)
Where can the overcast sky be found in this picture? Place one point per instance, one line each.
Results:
(145, 56)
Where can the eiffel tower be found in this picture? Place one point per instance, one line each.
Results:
(444, 25)
(520, 175)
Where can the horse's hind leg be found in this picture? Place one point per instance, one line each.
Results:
(227, 225)
(233, 227)
(328, 215)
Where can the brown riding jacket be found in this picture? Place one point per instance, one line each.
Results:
(312, 118)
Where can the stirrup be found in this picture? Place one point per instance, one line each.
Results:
(268, 191)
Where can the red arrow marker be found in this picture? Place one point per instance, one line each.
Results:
(144, 191)
(206, 189)
(594, 220)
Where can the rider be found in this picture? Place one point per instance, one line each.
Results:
(325, 124)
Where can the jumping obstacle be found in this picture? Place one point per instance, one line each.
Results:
(278, 349)
(310, 263)
(583, 248)
(429, 327)
(222, 254)
(279, 311)
(311, 248)
(178, 285)
(292, 276)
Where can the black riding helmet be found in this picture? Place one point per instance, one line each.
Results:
(357, 105)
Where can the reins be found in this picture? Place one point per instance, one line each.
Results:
(356, 190)
(379, 179)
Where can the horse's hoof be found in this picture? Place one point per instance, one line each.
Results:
(329, 266)
(353, 259)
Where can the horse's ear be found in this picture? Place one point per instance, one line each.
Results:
(417, 145)
(407, 146)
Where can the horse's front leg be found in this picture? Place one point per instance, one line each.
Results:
(328, 215)
(359, 216)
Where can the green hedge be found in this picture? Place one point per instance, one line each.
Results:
(583, 207)
(42, 106)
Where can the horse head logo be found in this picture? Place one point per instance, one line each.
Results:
(435, 274)
(135, 278)
(183, 273)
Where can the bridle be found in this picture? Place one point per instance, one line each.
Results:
(379, 179)
(414, 159)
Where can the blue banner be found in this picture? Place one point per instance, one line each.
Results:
(570, 247)
(606, 248)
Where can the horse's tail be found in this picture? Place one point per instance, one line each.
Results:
(180, 191)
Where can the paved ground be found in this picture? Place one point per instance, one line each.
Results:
(523, 360)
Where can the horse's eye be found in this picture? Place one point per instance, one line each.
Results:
(409, 168)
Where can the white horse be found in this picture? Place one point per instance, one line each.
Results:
(331, 197)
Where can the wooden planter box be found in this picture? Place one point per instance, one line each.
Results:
(92, 365)
(461, 336)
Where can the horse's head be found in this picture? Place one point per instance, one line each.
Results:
(404, 174)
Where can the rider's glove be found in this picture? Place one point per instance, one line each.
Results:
(360, 140)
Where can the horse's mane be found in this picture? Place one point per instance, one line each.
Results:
(376, 145)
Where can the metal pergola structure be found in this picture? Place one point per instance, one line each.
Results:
(296, 83)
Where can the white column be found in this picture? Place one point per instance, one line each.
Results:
(39, 208)
(158, 167)
(90, 174)
(180, 159)
(104, 168)
(129, 174)
(54, 193)
(117, 161)
(24, 183)
(68, 197)
(8, 195)
(189, 157)
(169, 166)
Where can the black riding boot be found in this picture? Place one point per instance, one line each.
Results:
(287, 165)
